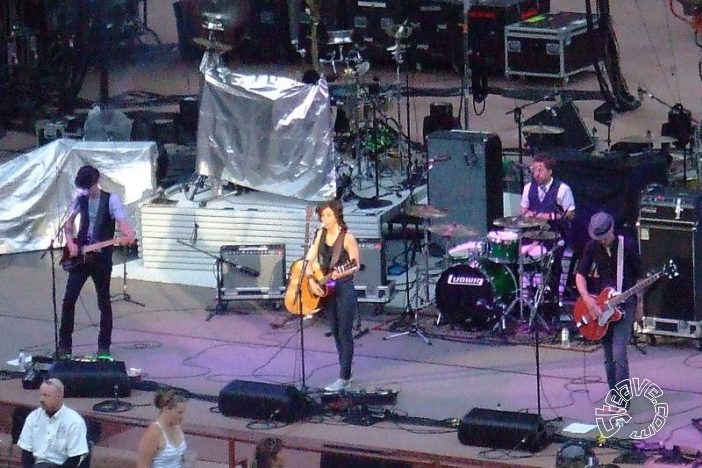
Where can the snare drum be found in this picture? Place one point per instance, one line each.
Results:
(472, 295)
(533, 252)
(502, 246)
(466, 252)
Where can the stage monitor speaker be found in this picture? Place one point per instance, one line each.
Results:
(264, 401)
(467, 177)
(373, 272)
(341, 460)
(503, 429)
(677, 298)
(253, 269)
(565, 116)
(99, 379)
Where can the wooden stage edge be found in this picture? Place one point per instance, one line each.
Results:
(233, 436)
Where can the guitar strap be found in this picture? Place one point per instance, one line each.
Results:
(336, 252)
(620, 264)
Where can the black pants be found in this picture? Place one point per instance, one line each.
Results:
(341, 311)
(100, 270)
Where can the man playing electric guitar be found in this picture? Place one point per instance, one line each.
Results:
(333, 245)
(597, 270)
(98, 212)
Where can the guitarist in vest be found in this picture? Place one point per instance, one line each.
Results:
(598, 270)
(551, 200)
(340, 309)
(98, 212)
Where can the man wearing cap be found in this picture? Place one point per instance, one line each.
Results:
(598, 270)
(99, 211)
(549, 200)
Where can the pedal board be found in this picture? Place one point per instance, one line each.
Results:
(346, 400)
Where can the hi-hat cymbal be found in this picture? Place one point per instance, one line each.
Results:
(426, 211)
(539, 235)
(213, 16)
(218, 46)
(518, 222)
(398, 31)
(452, 230)
(542, 129)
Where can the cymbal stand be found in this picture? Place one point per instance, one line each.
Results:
(415, 329)
(519, 299)
(124, 295)
(399, 60)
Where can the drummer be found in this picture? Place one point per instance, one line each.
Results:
(551, 200)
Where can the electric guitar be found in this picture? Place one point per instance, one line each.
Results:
(594, 328)
(306, 301)
(68, 263)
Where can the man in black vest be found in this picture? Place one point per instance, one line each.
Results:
(98, 212)
(550, 200)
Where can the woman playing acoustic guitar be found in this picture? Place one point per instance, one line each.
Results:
(334, 246)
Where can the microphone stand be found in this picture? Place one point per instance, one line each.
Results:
(517, 113)
(124, 295)
(301, 320)
(50, 250)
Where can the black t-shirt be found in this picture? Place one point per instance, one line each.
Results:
(600, 267)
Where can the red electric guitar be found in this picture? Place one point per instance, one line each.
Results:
(594, 328)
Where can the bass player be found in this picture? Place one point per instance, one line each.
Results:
(98, 210)
(597, 270)
(334, 245)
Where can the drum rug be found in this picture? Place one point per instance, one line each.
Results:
(516, 332)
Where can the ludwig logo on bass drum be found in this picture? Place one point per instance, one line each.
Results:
(465, 280)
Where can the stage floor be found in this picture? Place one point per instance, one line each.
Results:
(172, 341)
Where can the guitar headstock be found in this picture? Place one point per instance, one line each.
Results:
(670, 269)
(346, 266)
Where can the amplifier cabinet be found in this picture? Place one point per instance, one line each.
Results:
(555, 45)
(677, 298)
(486, 27)
(252, 271)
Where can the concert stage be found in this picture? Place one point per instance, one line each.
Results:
(173, 343)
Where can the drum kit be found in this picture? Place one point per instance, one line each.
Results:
(484, 285)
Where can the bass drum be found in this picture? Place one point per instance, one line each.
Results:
(473, 295)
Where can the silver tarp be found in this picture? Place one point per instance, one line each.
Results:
(37, 187)
(267, 133)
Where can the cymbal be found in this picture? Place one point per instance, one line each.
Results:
(452, 230)
(426, 211)
(539, 235)
(647, 139)
(542, 129)
(440, 158)
(398, 31)
(518, 222)
(218, 46)
(212, 16)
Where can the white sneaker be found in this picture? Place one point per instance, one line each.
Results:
(340, 385)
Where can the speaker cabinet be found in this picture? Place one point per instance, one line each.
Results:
(265, 401)
(100, 379)
(373, 272)
(469, 182)
(253, 270)
(503, 429)
(675, 298)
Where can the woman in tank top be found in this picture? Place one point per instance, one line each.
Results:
(163, 444)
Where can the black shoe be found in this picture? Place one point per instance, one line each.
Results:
(63, 354)
(103, 354)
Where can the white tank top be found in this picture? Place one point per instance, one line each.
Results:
(171, 456)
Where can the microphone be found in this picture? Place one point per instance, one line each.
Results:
(522, 167)
(249, 271)
(194, 236)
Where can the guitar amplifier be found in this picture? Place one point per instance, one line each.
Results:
(252, 271)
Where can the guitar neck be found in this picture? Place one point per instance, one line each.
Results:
(640, 286)
(106, 243)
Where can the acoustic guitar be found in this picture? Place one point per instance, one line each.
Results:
(68, 263)
(593, 327)
(299, 298)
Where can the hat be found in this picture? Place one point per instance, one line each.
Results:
(601, 226)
